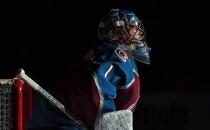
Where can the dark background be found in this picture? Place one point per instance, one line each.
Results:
(49, 38)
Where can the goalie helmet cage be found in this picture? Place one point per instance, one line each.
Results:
(15, 104)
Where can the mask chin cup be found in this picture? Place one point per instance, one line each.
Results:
(141, 55)
(140, 52)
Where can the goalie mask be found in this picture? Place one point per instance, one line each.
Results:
(124, 28)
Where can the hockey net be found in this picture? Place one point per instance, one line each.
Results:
(15, 104)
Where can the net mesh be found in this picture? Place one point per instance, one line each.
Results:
(5, 106)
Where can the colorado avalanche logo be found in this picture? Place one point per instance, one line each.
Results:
(121, 54)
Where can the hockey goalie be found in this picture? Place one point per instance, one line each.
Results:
(104, 91)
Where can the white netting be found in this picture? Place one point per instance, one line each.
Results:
(5, 105)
